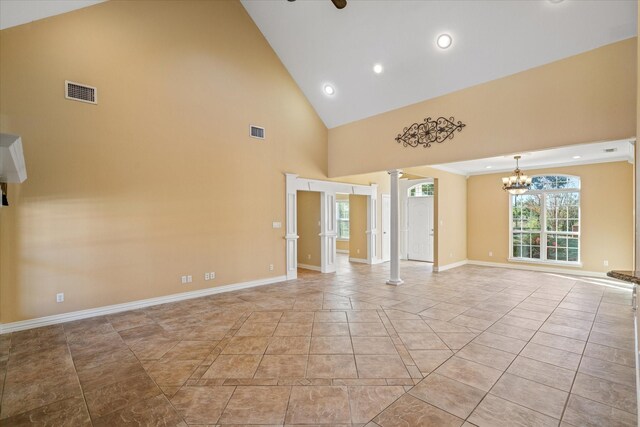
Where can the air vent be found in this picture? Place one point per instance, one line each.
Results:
(610, 150)
(80, 92)
(256, 132)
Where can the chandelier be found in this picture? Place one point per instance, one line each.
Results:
(517, 183)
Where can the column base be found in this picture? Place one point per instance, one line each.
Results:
(397, 282)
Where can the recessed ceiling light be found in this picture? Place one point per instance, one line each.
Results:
(444, 41)
(555, 1)
(576, 157)
(488, 167)
(377, 68)
(329, 90)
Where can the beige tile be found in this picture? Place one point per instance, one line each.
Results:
(368, 401)
(293, 330)
(154, 411)
(610, 371)
(510, 345)
(454, 340)
(487, 356)
(103, 401)
(330, 329)
(330, 316)
(610, 393)
(401, 325)
(363, 316)
(543, 373)
(465, 371)
(257, 329)
(560, 342)
(452, 396)
(289, 345)
(429, 360)
(171, 372)
(282, 366)
(584, 412)
(373, 345)
(530, 394)
(233, 366)
(246, 345)
(297, 317)
(190, 350)
(201, 405)
(368, 329)
(554, 356)
(318, 405)
(423, 341)
(496, 412)
(380, 366)
(610, 354)
(265, 316)
(70, 412)
(410, 411)
(331, 366)
(257, 405)
(331, 345)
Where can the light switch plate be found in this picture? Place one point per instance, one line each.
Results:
(277, 224)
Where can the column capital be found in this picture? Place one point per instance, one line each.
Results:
(395, 172)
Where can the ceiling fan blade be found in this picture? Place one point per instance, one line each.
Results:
(340, 4)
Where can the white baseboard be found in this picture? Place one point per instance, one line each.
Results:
(110, 309)
(450, 266)
(360, 260)
(569, 271)
(309, 267)
(342, 251)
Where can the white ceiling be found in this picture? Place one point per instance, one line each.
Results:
(18, 12)
(556, 157)
(320, 44)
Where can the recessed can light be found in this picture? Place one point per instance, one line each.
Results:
(576, 157)
(444, 41)
(377, 68)
(555, 1)
(329, 90)
(488, 167)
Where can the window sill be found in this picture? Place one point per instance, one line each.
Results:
(342, 239)
(533, 261)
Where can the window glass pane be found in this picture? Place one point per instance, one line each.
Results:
(551, 182)
(343, 229)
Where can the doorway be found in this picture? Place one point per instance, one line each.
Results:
(420, 204)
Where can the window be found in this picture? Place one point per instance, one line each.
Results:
(545, 221)
(420, 190)
(342, 208)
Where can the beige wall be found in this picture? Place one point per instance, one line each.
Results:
(586, 98)
(358, 227)
(158, 180)
(309, 228)
(450, 215)
(606, 211)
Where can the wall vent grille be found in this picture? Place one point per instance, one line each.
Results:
(256, 132)
(80, 92)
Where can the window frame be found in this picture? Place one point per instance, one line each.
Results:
(543, 225)
(339, 220)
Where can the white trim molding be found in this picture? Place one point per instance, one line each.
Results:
(309, 267)
(342, 251)
(569, 270)
(450, 266)
(117, 308)
(359, 260)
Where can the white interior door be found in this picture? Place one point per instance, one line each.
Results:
(386, 227)
(420, 228)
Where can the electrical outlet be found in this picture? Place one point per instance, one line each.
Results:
(207, 276)
(212, 275)
(357, 251)
(270, 267)
(490, 253)
(60, 297)
(189, 279)
(605, 263)
(308, 256)
(184, 279)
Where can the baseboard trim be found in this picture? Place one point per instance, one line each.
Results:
(342, 251)
(360, 260)
(309, 267)
(116, 308)
(450, 266)
(569, 271)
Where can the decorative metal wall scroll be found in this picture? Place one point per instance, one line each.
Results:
(429, 131)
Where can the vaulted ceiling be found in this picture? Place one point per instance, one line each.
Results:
(322, 45)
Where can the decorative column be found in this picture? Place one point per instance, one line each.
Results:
(372, 225)
(291, 235)
(395, 279)
(328, 231)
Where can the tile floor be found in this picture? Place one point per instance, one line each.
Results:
(470, 346)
